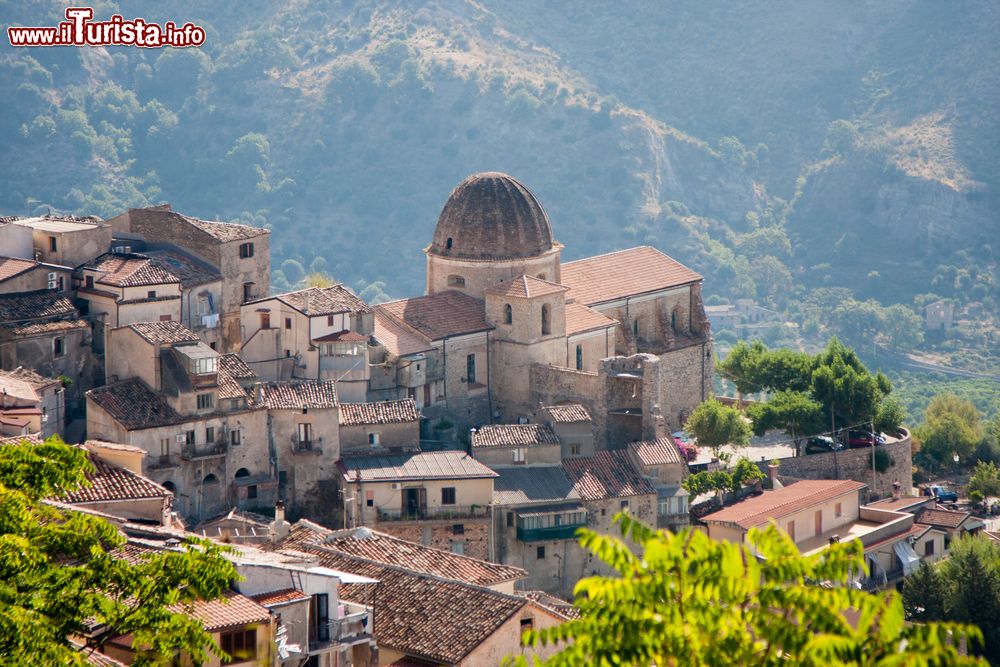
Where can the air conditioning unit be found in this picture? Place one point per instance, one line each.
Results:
(53, 280)
(180, 438)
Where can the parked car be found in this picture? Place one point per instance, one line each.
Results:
(862, 438)
(941, 493)
(820, 444)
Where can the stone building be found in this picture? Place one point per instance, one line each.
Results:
(239, 253)
(509, 326)
(502, 445)
(25, 275)
(573, 427)
(67, 240)
(127, 288)
(384, 426)
(30, 403)
(662, 464)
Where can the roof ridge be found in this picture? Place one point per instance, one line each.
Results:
(613, 252)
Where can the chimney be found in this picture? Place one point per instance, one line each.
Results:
(895, 489)
(772, 474)
(279, 528)
(834, 539)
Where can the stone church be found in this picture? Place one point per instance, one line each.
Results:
(506, 327)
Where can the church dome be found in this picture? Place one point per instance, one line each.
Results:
(491, 216)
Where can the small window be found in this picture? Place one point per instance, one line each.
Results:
(624, 506)
(370, 501)
(288, 353)
(209, 434)
(929, 548)
(458, 529)
(189, 437)
(252, 491)
(635, 328)
(305, 433)
(579, 357)
(838, 510)
(540, 553)
(510, 519)
(165, 318)
(458, 547)
(247, 292)
(546, 320)
(151, 294)
(447, 244)
(527, 624)
(246, 250)
(57, 347)
(791, 529)
(288, 323)
(373, 439)
(265, 320)
(574, 450)
(164, 446)
(90, 282)
(456, 281)
(470, 368)
(518, 454)
(448, 495)
(418, 367)
(234, 437)
(206, 401)
(52, 244)
(329, 320)
(241, 644)
(508, 314)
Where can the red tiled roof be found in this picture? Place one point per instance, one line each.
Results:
(783, 502)
(18, 439)
(299, 394)
(232, 369)
(101, 660)
(420, 465)
(130, 270)
(25, 306)
(514, 435)
(111, 482)
(318, 301)
(232, 611)
(226, 231)
(657, 452)
(24, 384)
(525, 287)
(158, 333)
(343, 337)
(567, 414)
(580, 319)
(398, 337)
(902, 503)
(277, 598)
(50, 327)
(943, 518)
(606, 475)
(15, 266)
(190, 271)
(617, 275)
(915, 531)
(132, 404)
(440, 315)
(380, 412)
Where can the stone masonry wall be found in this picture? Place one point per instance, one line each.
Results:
(474, 535)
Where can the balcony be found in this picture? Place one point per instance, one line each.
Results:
(163, 462)
(350, 628)
(550, 523)
(307, 446)
(205, 451)
(445, 512)
(564, 532)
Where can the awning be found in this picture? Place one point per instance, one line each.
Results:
(907, 556)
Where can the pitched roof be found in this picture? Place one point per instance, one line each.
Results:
(318, 301)
(942, 518)
(344, 336)
(232, 369)
(279, 598)
(580, 319)
(419, 465)
(226, 231)
(232, 611)
(188, 270)
(441, 314)
(299, 394)
(23, 384)
(133, 405)
(159, 333)
(657, 452)
(513, 435)
(778, 503)
(33, 328)
(617, 275)
(529, 486)
(111, 482)
(901, 503)
(525, 287)
(129, 270)
(567, 414)
(606, 475)
(101, 660)
(381, 412)
(398, 337)
(368, 544)
(24, 306)
(14, 266)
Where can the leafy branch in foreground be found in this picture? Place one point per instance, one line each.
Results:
(689, 600)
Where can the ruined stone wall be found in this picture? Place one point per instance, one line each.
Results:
(304, 468)
(552, 384)
(628, 403)
(354, 439)
(446, 534)
(687, 375)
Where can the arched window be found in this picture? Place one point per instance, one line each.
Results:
(456, 281)
(242, 472)
(508, 314)
(579, 357)
(546, 320)
(447, 245)
(169, 486)
(635, 328)
(210, 479)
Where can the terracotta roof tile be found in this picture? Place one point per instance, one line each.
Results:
(132, 404)
(278, 598)
(580, 319)
(533, 486)
(18, 439)
(567, 414)
(232, 369)
(399, 338)
(624, 273)
(111, 482)
(901, 503)
(381, 412)
(915, 531)
(657, 452)
(190, 271)
(297, 395)
(226, 231)
(513, 435)
(420, 465)
(606, 475)
(943, 518)
(35, 328)
(782, 502)
(236, 367)
(318, 301)
(558, 605)
(233, 610)
(440, 315)
(129, 270)
(23, 384)
(343, 337)
(101, 660)
(160, 333)
(40, 304)
(15, 266)
(525, 287)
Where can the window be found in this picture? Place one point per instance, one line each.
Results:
(90, 282)
(209, 434)
(527, 624)
(165, 318)
(540, 553)
(510, 519)
(370, 498)
(246, 250)
(791, 529)
(151, 294)
(546, 320)
(241, 644)
(288, 323)
(672, 506)
(288, 353)
(458, 547)
(247, 292)
(206, 401)
(321, 609)
(635, 328)
(164, 446)
(252, 492)
(189, 437)
(456, 281)
(458, 529)
(52, 244)
(234, 437)
(305, 434)
(373, 439)
(265, 320)
(838, 510)
(624, 506)
(447, 245)
(579, 357)
(929, 548)
(57, 347)
(508, 314)
(518, 454)
(448, 495)
(574, 450)
(470, 368)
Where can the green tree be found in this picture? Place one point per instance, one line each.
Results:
(925, 595)
(951, 426)
(972, 572)
(889, 415)
(847, 390)
(791, 411)
(690, 600)
(741, 366)
(60, 572)
(985, 479)
(715, 424)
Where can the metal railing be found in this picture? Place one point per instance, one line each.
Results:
(312, 445)
(191, 452)
(352, 626)
(444, 512)
(164, 461)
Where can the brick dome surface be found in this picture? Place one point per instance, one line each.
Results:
(491, 216)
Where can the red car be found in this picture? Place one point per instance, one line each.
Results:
(856, 438)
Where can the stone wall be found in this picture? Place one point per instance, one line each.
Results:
(854, 464)
(472, 534)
